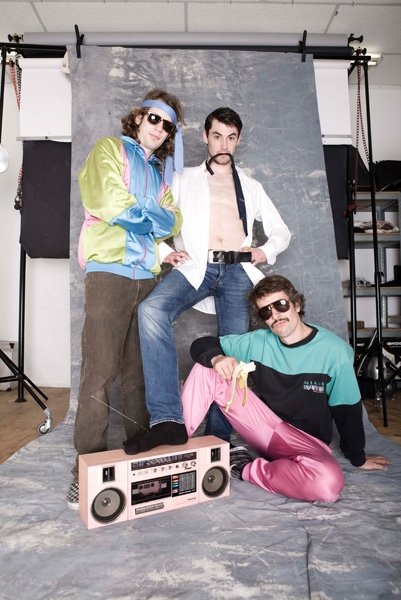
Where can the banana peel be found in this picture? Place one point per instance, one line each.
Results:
(240, 375)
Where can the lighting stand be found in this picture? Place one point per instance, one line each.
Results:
(375, 345)
(349, 214)
(24, 383)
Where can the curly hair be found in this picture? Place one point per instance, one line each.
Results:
(130, 127)
(277, 283)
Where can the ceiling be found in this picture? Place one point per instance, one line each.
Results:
(378, 21)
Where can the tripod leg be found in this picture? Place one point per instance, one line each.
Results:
(21, 322)
(30, 387)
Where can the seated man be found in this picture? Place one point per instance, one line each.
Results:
(305, 378)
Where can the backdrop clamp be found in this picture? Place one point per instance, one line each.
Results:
(302, 45)
(80, 39)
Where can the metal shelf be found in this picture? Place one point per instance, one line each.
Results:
(386, 240)
(388, 333)
(369, 292)
(385, 202)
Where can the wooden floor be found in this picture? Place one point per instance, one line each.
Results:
(375, 413)
(19, 420)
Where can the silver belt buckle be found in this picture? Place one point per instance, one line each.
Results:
(210, 257)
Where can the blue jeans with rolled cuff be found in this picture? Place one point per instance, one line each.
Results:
(230, 286)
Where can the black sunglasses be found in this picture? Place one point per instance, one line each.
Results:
(280, 305)
(154, 119)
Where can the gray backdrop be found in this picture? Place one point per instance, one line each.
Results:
(281, 147)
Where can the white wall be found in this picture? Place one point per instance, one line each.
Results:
(47, 356)
(385, 112)
(9, 221)
(47, 323)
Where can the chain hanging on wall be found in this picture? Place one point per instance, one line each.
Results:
(15, 75)
(360, 128)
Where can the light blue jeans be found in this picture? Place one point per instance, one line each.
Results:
(229, 285)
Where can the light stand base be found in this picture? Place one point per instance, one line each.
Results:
(25, 383)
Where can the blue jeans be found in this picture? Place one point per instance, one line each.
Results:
(229, 285)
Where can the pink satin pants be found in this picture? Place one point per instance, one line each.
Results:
(293, 463)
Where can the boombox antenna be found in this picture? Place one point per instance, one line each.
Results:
(120, 413)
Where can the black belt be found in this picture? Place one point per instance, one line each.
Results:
(229, 257)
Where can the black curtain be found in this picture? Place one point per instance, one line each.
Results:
(338, 174)
(45, 212)
(336, 160)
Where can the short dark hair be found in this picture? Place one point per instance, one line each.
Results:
(225, 115)
(277, 283)
(130, 127)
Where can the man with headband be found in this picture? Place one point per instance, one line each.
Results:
(129, 210)
(214, 263)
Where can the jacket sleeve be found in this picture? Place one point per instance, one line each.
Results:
(105, 195)
(165, 216)
(158, 216)
(173, 199)
(348, 419)
(277, 233)
(204, 349)
(103, 190)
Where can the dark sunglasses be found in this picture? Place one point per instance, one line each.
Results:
(154, 119)
(280, 305)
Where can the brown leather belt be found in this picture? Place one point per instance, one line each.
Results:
(229, 257)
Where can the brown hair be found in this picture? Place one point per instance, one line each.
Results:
(277, 283)
(130, 128)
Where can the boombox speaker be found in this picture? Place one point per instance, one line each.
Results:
(115, 487)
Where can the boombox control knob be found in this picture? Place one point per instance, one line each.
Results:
(190, 465)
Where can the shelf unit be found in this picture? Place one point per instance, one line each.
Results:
(390, 323)
(385, 202)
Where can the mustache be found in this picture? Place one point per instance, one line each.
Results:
(213, 158)
(220, 154)
(278, 320)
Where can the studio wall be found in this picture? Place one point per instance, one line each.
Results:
(281, 146)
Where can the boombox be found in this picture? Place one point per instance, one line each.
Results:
(114, 486)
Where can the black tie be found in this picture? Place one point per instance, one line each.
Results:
(237, 185)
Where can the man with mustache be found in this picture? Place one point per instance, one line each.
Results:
(304, 378)
(214, 263)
